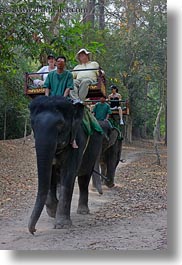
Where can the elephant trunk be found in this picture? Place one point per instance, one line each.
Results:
(45, 154)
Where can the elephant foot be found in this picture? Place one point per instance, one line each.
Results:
(51, 211)
(63, 223)
(83, 210)
(99, 189)
(51, 206)
(97, 183)
(109, 184)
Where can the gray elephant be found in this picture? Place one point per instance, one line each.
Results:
(55, 122)
(109, 157)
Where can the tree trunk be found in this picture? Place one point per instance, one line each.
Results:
(128, 130)
(165, 98)
(89, 16)
(144, 127)
(53, 28)
(131, 14)
(101, 15)
(156, 133)
(165, 139)
(5, 123)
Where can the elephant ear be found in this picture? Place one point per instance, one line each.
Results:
(112, 139)
(111, 134)
(77, 119)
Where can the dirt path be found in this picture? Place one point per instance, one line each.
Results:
(123, 218)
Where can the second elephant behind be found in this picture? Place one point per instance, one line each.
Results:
(109, 158)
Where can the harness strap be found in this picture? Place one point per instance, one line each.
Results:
(88, 139)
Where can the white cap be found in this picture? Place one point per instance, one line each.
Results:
(82, 50)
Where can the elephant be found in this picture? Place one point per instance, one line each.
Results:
(109, 157)
(55, 122)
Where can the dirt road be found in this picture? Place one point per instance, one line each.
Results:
(130, 216)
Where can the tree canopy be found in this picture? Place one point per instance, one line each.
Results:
(128, 38)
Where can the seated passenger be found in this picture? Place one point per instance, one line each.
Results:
(82, 79)
(47, 68)
(114, 98)
(60, 83)
(102, 110)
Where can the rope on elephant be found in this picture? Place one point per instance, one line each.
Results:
(118, 127)
(88, 139)
(90, 124)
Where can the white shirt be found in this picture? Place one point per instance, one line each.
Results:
(45, 69)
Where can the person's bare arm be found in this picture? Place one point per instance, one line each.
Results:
(66, 92)
(47, 92)
(107, 117)
(120, 97)
(35, 75)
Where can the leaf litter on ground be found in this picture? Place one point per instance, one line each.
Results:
(141, 185)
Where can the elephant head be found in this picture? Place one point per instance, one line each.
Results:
(55, 118)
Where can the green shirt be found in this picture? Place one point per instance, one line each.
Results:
(57, 83)
(101, 110)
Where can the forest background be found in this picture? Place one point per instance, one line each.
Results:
(127, 37)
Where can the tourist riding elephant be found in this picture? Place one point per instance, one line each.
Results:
(109, 158)
(55, 122)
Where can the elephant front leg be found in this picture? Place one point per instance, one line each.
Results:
(51, 204)
(63, 219)
(83, 182)
(109, 181)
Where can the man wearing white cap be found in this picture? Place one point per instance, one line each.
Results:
(82, 79)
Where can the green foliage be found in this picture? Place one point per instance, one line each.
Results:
(72, 38)
(131, 49)
(13, 103)
(136, 58)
